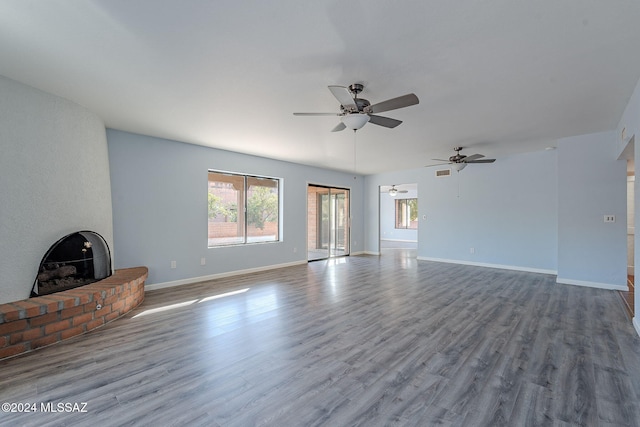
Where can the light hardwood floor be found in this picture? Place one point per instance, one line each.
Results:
(361, 340)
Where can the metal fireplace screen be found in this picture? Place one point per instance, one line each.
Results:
(75, 260)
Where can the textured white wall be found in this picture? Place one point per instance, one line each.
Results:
(54, 180)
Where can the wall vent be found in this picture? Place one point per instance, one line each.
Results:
(443, 172)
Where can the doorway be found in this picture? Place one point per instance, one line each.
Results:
(398, 213)
(327, 222)
(629, 295)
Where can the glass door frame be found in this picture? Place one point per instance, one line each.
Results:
(337, 222)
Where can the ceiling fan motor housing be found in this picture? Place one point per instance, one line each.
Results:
(457, 158)
(356, 88)
(361, 103)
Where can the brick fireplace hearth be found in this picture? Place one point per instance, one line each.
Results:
(37, 322)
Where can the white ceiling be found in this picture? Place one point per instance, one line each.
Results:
(497, 76)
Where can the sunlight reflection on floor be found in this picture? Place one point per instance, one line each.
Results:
(185, 303)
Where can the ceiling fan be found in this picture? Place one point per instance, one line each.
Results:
(393, 191)
(460, 161)
(356, 112)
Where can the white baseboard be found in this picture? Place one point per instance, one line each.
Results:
(599, 285)
(371, 253)
(357, 253)
(636, 324)
(484, 264)
(399, 240)
(162, 285)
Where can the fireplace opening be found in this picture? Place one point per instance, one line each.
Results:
(75, 260)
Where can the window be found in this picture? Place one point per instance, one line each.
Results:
(407, 213)
(243, 209)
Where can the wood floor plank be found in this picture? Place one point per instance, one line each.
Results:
(363, 340)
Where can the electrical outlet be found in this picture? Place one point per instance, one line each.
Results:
(295, 250)
(203, 261)
(173, 264)
(472, 250)
(609, 218)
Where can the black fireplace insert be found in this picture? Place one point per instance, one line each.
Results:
(75, 260)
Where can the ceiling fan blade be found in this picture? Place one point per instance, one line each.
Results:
(394, 103)
(480, 161)
(316, 114)
(403, 191)
(473, 157)
(442, 160)
(439, 164)
(344, 97)
(384, 121)
(340, 126)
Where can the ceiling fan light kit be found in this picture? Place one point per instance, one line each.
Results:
(355, 121)
(459, 166)
(393, 192)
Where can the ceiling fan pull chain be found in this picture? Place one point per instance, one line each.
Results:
(355, 141)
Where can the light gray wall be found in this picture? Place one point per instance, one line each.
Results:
(505, 211)
(538, 211)
(54, 176)
(592, 183)
(388, 228)
(160, 207)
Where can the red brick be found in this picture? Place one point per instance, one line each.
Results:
(64, 301)
(3, 342)
(5, 308)
(83, 297)
(110, 300)
(95, 323)
(46, 340)
(69, 312)
(18, 325)
(10, 312)
(117, 306)
(57, 327)
(31, 309)
(12, 351)
(44, 319)
(25, 336)
(39, 300)
(111, 316)
(68, 333)
(52, 305)
(15, 338)
(70, 302)
(81, 319)
(106, 309)
(31, 334)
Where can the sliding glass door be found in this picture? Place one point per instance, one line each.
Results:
(327, 222)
